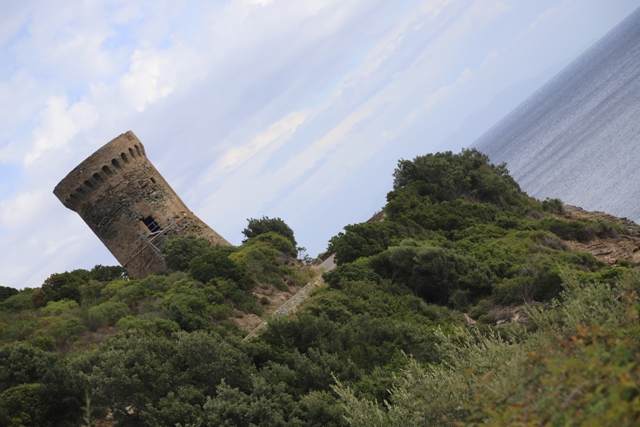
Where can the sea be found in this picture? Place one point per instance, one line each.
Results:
(578, 137)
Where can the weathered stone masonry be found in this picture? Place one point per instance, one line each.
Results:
(127, 203)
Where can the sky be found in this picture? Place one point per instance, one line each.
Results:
(249, 108)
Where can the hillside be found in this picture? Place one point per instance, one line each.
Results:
(466, 302)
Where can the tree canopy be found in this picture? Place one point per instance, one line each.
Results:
(265, 225)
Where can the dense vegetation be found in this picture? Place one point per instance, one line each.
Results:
(386, 341)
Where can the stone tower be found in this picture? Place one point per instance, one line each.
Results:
(127, 203)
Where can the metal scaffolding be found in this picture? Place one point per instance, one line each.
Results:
(156, 239)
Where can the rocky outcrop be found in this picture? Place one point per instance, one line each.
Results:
(625, 246)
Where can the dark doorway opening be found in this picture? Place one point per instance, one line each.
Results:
(151, 224)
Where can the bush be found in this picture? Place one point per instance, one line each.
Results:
(106, 314)
(65, 285)
(276, 241)
(6, 292)
(264, 263)
(36, 388)
(217, 264)
(264, 225)
(18, 302)
(189, 311)
(586, 379)
(553, 206)
(360, 270)
(434, 272)
(180, 250)
(149, 380)
(59, 307)
(366, 239)
(447, 176)
(23, 405)
(220, 311)
(103, 273)
(60, 331)
(159, 326)
(581, 230)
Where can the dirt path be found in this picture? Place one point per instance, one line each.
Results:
(294, 302)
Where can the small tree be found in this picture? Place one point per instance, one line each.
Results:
(180, 250)
(108, 273)
(264, 225)
(6, 292)
(65, 285)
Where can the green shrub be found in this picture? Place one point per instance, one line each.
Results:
(220, 311)
(581, 230)
(149, 380)
(65, 285)
(18, 302)
(189, 312)
(36, 388)
(447, 176)
(180, 250)
(217, 264)
(264, 225)
(586, 379)
(23, 405)
(434, 272)
(275, 240)
(160, 326)
(18, 329)
(553, 206)
(63, 330)
(352, 271)
(59, 307)
(104, 273)
(365, 239)
(106, 314)
(538, 280)
(6, 292)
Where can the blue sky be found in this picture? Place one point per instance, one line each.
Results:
(283, 108)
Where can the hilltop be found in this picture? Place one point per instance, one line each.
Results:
(464, 301)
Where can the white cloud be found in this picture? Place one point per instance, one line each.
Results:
(60, 123)
(271, 138)
(143, 83)
(21, 211)
(259, 2)
(15, 15)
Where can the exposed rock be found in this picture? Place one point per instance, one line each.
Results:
(503, 315)
(622, 247)
(468, 320)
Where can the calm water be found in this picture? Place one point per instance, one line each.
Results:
(578, 137)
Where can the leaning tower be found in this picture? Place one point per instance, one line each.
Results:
(127, 203)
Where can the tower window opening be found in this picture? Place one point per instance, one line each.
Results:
(116, 164)
(153, 180)
(138, 151)
(133, 156)
(88, 184)
(124, 158)
(107, 170)
(98, 178)
(151, 224)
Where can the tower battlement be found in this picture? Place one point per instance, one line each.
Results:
(127, 203)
